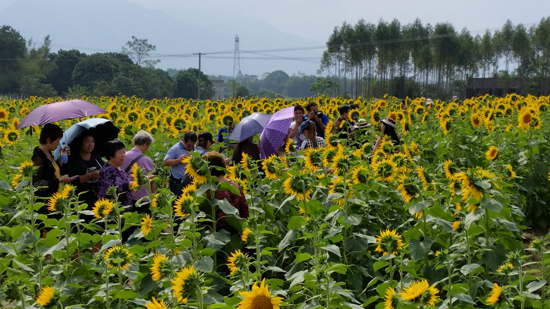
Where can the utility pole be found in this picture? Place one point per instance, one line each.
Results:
(199, 77)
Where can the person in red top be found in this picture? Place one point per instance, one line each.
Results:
(215, 159)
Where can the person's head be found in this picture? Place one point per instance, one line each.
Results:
(50, 136)
(115, 152)
(387, 127)
(354, 106)
(312, 106)
(344, 111)
(143, 140)
(310, 131)
(205, 140)
(189, 140)
(215, 159)
(85, 143)
(298, 111)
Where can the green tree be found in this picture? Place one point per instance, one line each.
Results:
(139, 50)
(61, 78)
(12, 53)
(35, 69)
(276, 81)
(185, 85)
(323, 85)
(95, 68)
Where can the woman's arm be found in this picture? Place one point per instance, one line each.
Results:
(39, 179)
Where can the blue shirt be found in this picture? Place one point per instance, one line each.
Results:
(223, 136)
(201, 150)
(176, 151)
(320, 131)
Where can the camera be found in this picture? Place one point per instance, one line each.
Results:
(319, 114)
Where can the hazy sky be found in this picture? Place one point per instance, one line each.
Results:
(310, 22)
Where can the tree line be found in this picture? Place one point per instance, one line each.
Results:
(419, 59)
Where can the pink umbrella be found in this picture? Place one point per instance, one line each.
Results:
(274, 132)
(60, 111)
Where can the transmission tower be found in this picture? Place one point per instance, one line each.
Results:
(237, 60)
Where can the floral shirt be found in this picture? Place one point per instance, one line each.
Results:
(236, 201)
(111, 176)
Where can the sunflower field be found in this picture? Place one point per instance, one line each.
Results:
(450, 218)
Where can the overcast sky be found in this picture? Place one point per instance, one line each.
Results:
(310, 22)
(315, 19)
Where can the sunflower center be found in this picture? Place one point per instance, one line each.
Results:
(261, 302)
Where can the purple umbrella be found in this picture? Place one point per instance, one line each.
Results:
(60, 111)
(249, 126)
(275, 131)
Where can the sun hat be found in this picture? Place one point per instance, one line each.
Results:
(389, 122)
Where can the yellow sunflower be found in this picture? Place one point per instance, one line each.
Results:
(505, 268)
(118, 255)
(102, 208)
(259, 297)
(246, 233)
(456, 225)
(421, 290)
(154, 304)
(450, 169)
(385, 170)
(4, 115)
(389, 241)
(511, 173)
(341, 163)
(338, 185)
(407, 188)
(360, 175)
(524, 119)
(146, 225)
(158, 267)
(197, 168)
(46, 296)
(16, 179)
(183, 285)
(270, 167)
(236, 261)
(390, 299)
(11, 136)
(56, 202)
(297, 185)
(492, 153)
(495, 295)
(476, 120)
(313, 159)
(182, 204)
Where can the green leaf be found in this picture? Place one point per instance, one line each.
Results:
(225, 206)
(380, 264)
(492, 204)
(207, 251)
(147, 285)
(5, 186)
(205, 264)
(338, 268)
(495, 257)
(227, 186)
(296, 222)
(332, 248)
(126, 294)
(535, 285)
(109, 244)
(289, 237)
(302, 257)
(8, 249)
(205, 187)
(418, 207)
(420, 248)
(485, 184)
(466, 269)
(465, 298)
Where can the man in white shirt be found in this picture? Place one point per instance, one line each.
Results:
(294, 132)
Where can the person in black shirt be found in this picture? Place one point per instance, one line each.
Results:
(84, 164)
(344, 125)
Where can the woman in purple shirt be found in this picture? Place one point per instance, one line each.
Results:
(112, 174)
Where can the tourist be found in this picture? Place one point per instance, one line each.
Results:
(248, 147)
(174, 157)
(112, 174)
(84, 164)
(308, 128)
(387, 127)
(142, 141)
(48, 174)
(215, 161)
(320, 119)
(204, 143)
(295, 125)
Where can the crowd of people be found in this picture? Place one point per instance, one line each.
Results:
(93, 174)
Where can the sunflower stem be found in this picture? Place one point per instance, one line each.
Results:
(193, 231)
(199, 297)
(469, 257)
(258, 253)
(328, 291)
(522, 299)
(107, 301)
(120, 285)
(449, 271)
(33, 220)
(67, 235)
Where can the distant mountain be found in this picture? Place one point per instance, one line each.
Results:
(106, 25)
